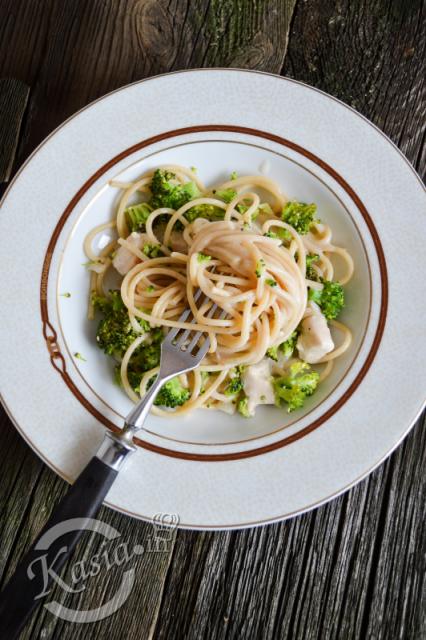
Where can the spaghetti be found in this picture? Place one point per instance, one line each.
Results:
(254, 254)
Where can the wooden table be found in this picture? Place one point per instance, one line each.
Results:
(351, 569)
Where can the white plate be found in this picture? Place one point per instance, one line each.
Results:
(213, 470)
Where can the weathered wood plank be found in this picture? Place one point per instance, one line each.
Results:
(354, 568)
(351, 569)
(70, 54)
(27, 495)
(372, 56)
(91, 48)
(231, 34)
(13, 101)
(310, 577)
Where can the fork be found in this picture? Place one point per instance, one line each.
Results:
(76, 511)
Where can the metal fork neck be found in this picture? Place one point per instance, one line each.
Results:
(116, 447)
(138, 414)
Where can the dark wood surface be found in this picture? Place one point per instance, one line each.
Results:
(355, 568)
(13, 101)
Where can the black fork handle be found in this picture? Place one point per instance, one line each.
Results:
(54, 545)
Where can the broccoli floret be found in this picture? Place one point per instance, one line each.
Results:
(152, 250)
(133, 377)
(207, 211)
(311, 274)
(280, 234)
(167, 194)
(286, 348)
(289, 345)
(264, 208)
(241, 207)
(331, 298)
(172, 394)
(115, 332)
(145, 358)
(203, 257)
(272, 353)
(225, 194)
(235, 385)
(147, 355)
(160, 182)
(292, 389)
(110, 304)
(242, 407)
(137, 215)
(299, 215)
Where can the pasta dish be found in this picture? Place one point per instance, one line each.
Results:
(267, 262)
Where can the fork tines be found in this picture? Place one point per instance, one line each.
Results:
(177, 337)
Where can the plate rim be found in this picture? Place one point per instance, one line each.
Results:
(208, 70)
(227, 527)
(326, 95)
(382, 303)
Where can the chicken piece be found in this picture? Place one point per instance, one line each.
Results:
(257, 382)
(315, 340)
(124, 260)
(226, 407)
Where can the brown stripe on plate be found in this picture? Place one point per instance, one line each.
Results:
(59, 363)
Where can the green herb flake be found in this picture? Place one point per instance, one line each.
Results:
(202, 257)
(225, 194)
(260, 268)
(89, 263)
(280, 234)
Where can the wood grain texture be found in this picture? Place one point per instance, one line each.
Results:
(353, 568)
(70, 53)
(372, 56)
(13, 101)
(27, 495)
